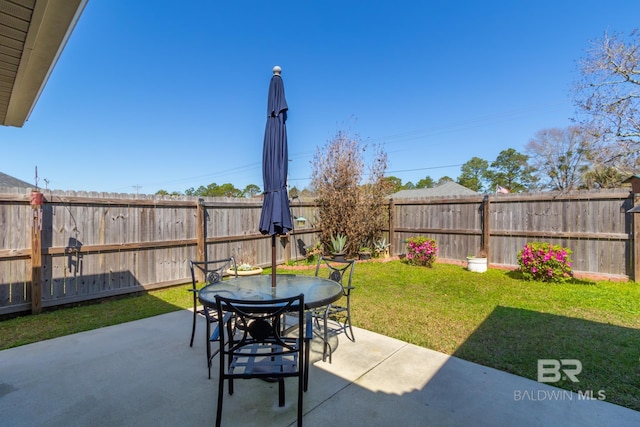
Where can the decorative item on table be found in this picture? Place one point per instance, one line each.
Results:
(247, 270)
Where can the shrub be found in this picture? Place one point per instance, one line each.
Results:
(313, 252)
(545, 262)
(351, 196)
(421, 251)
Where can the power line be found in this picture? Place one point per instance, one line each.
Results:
(392, 139)
(427, 168)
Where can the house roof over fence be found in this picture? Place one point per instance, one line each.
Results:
(446, 189)
(33, 34)
(9, 181)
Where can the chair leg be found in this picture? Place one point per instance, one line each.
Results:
(307, 352)
(326, 338)
(220, 393)
(208, 344)
(193, 327)
(300, 399)
(281, 392)
(347, 322)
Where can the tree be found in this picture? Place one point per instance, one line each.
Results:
(251, 190)
(560, 156)
(511, 170)
(473, 173)
(215, 190)
(426, 182)
(294, 193)
(347, 205)
(229, 190)
(444, 179)
(166, 193)
(394, 184)
(602, 177)
(307, 193)
(608, 101)
(193, 192)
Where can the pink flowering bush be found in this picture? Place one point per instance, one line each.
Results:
(545, 262)
(422, 251)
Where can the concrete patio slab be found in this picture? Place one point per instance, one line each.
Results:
(144, 373)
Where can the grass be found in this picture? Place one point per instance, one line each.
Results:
(494, 319)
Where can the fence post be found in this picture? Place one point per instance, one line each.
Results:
(636, 237)
(391, 226)
(201, 235)
(36, 252)
(486, 229)
(285, 241)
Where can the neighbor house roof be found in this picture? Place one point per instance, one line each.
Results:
(9, 181)
(33, 33)
(446, 189)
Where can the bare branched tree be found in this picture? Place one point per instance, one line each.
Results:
(348, 204)
(559, 157)
(608, 102)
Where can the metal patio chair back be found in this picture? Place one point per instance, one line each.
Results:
(205, 273)
(253, 344)
(340, 271)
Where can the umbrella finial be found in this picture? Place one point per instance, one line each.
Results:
(277, 70)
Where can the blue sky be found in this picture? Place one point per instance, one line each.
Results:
(172, 95)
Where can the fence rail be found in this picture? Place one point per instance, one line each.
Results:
(78, 246)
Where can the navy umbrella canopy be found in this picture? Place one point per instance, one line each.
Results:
(275, 217)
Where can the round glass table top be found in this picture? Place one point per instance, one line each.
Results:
(317, 291)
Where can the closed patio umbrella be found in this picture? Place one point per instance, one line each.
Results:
(275, 218)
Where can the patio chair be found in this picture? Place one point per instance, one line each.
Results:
(255, 346)
(340, 271)
(205, 273)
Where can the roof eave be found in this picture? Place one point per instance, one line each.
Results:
(51, 25)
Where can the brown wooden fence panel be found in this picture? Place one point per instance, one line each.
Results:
(455, 223)
(594, 225)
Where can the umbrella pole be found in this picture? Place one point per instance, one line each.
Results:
(273, 261)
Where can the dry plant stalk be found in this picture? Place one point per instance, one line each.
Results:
(348, 204)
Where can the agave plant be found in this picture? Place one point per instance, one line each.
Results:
(338, 243)
(381, 246)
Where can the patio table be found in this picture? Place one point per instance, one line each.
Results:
(317, 291)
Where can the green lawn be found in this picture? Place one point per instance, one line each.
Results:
(493, 318)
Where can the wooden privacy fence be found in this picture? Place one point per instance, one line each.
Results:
(595, 225)
(80, 246)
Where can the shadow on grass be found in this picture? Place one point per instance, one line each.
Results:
(513, 339)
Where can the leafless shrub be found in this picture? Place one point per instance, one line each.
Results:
(349, 203)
